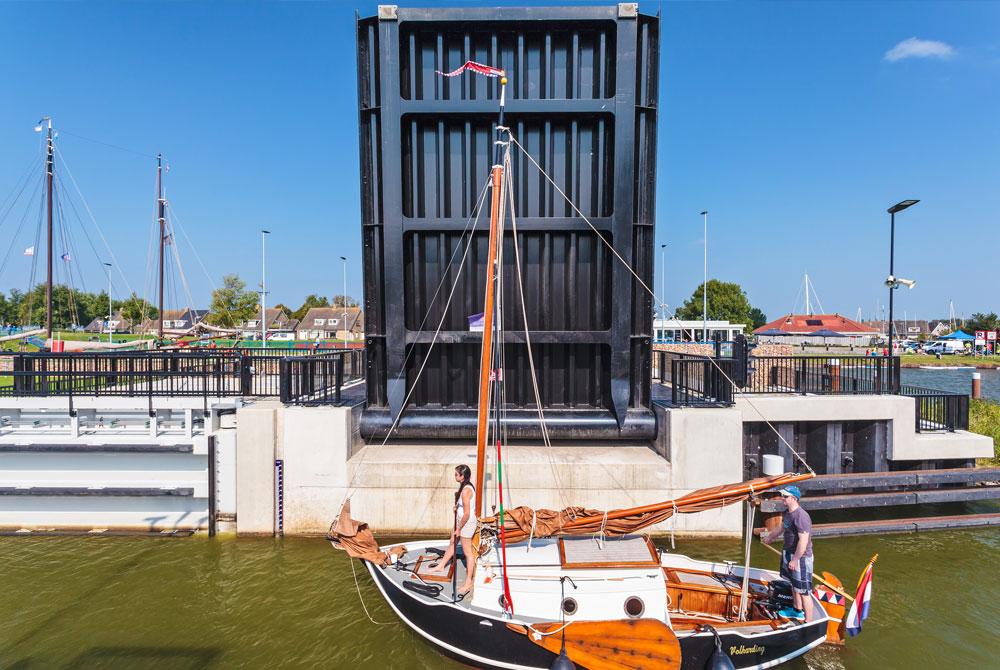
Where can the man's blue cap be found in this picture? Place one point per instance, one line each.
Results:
(791, 491)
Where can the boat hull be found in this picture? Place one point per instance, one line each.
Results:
(483, 641)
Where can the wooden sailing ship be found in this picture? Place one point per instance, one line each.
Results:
(579, 587)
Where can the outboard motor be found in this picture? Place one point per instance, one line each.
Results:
(719, 660)
(779, 594)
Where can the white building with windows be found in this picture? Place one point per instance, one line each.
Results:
(666, 331)
(327, 323)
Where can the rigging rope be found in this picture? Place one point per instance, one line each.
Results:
(473, 222)
(628, 267)
(93, 220)
(546, 441)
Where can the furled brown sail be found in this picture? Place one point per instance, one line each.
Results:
(519, 521)
(356, 538)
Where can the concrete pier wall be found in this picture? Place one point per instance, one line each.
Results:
(110, 465)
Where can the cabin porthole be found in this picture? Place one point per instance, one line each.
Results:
(634, 607)
(569, 606)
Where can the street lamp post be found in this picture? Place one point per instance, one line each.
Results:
(898, 207)
(108, 265)
(704, 286)
(344, 299)
(263, 288)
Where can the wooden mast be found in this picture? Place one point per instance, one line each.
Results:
(160, 206)
(49, 174)
(486, 358)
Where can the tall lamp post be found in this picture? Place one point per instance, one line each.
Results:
(108, 266)
(704, 286)
(892, 282)
(344, 300)
(263, 287)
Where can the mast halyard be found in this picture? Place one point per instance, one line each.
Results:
(486, 358)
(49, 174)
(160, 211)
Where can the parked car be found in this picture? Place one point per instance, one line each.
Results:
(945, 347)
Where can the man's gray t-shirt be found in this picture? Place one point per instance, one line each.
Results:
(794, 523)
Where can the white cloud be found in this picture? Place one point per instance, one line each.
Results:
(917, 48)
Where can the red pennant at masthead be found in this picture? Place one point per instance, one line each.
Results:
(478, 68)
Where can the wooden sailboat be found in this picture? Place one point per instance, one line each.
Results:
(578, 587)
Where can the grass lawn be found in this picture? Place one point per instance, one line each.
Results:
(984, 418)
(911, 360)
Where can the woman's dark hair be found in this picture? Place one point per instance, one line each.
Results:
(466, 474)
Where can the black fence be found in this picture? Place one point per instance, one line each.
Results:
(938, 410)
(695, 380)
(307, 377)
(128, 374)
(702, 381)
(822, 375)
(319, 379)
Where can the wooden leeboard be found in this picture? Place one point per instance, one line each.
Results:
(624, 644)
(589, 552)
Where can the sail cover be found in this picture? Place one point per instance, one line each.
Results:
(520, 523)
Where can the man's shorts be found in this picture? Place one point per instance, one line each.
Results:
(801, 579)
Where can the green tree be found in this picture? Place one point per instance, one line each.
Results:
(69, 307)
(342, 301)
(232, 304)
(312, 300)
(757, 318)
(980, 321)
(726, 300)
(134, 309)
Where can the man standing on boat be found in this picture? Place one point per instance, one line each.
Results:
(797, 556)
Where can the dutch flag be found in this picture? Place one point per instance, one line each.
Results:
(862, 600)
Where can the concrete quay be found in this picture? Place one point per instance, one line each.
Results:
(262, 468)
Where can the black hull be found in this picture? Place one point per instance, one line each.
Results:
(476, 640)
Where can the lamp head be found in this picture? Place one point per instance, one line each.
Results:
(900, 206)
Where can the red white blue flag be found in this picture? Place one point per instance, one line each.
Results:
(478, 68)
(862, 600)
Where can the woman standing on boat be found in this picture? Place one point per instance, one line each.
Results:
(465, 525)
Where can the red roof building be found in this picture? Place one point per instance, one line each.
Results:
(806, 324)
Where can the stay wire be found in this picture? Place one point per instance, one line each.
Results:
(473, 222)
(24, 219)
(650, 291)
(15, 195)
(93, 219)
(546, 441)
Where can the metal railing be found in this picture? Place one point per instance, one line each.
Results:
(309, 377)
(938, 410)
(129, 374)
(695, 380)
(319, 379)
(822, 375)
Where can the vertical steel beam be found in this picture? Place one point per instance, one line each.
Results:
(624, 176)
(392, 194)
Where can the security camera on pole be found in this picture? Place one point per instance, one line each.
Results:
(892, 281)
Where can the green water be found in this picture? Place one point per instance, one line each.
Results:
(178, 604)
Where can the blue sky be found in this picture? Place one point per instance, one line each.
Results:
(794, 124)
